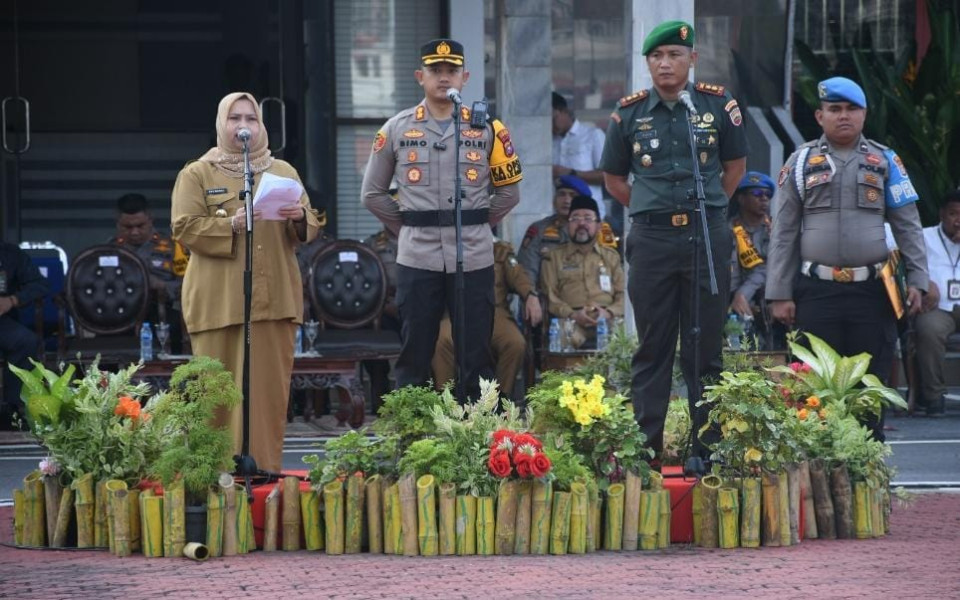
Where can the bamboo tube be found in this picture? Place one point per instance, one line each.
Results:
(408, 514)
(393, 529)
(593, 517)
(19, 512)
(333, 516)
(119, 514)
(656, 481)
(486, 526)
(196, 551)
(215, 505)
(842, 494)
(696, 501)
(885, 491)
(613, 531)
(466, 515)
(133, 508)
(310, 516)
(649, 519)
(793, 502)
(151, 525)
(448, 519)
(806, 498)
(728, 513)
(271, 519)
(541, 507)
(823, 501)
(770, 511)
(101, 537)
(578, 518)
(85, 502)
(631, 510)
(427, 516)
(876, 508)
(174, 525)
(560, 523)
(709, 522)
(506, 518)
(52, 493)
(290, 513)
(374, 495)
(750, 513)
(229, 517)
(245, 539)
(862, 511)
(34, 511)
(62, 527)
(521, 543)
(783, 488)
(353, 515)
(663, 525)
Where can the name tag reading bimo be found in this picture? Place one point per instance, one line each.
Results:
(349, 257)
(109, 261)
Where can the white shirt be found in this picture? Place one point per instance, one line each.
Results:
(942, 256)
(580, 149)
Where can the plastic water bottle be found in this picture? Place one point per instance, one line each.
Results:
(733, 332)
(554, 333)
(298, 344)
(146, 342)
(603, 333)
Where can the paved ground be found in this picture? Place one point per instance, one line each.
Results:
(917, 560)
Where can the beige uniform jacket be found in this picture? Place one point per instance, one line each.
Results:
(213, 285)
(418, 153)
(571, 277)
(509, 276)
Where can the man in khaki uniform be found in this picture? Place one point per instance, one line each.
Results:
(582, 279)
(507, 343)
(416, 148)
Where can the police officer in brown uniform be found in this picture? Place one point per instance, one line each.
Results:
(507, 343)
(165, 259)
(828, 243)
(583, 280)
(416, 148)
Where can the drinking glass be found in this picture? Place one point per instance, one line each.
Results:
(310, 329)
(163, 336)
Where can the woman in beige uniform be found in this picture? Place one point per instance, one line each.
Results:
(208, 217)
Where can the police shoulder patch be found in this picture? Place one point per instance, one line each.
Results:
(632, 99)
(710, 88)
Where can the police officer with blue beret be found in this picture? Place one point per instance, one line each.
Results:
(828, 247)
(751, 236)
(648, 138)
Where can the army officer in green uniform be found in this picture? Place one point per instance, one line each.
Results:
(648, 138)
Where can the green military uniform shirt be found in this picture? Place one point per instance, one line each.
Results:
(649, 138)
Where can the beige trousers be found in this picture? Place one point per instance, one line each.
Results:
(933, 329)
(507, 345)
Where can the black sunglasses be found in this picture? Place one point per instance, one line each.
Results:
(760, 193)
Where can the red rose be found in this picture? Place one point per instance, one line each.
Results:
(500, 435)
(795, 367)
(524, 464)
(522, 439)
(540, 465)
(499, 464)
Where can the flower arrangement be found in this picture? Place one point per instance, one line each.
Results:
(517, 453)
(584, 400)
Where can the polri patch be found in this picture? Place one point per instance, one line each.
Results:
(414, 175)
(379, 141)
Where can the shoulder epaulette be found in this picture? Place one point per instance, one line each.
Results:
(632, 98)
(710, 88)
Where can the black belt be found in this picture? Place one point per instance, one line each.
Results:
(675, 219)
(444, 218)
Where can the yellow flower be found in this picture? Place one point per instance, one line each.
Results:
(752, 455)
(813, 402)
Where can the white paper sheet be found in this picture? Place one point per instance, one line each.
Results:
(275, 192)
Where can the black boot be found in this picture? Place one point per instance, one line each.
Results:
(935, 408)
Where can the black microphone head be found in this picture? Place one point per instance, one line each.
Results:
(244, 135)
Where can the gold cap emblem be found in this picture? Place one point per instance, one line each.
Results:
(684, 32)
(443, 48)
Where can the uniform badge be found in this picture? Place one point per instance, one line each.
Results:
(473, 155)
(812, 180)
(464, 113)
(472, 174)
(413, 133)
(215, 191)
(703, 158)
(872, 195)
(472, 133)
(412, 156)
(645, 127)
(220, 212)
(654, 143)
(645, 160)
(711, 140)
(816, 160)
(871, 179)
(421, 113)
(414, 175)
(734, 112)
(551, 233)
(900, 167)
(684, 32)
(782, 178)
(379, 141)
(708, 118)
(637, 148)
(873, 159)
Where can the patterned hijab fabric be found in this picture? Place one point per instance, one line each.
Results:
(223, 156)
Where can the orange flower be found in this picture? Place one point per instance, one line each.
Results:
(127, 407)
(802, 414)
(813, 402)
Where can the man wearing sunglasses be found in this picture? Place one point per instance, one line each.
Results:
(751, 235)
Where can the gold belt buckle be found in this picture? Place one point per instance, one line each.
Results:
(844, 275)
(679, 219)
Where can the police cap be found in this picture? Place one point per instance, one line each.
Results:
(442, 50)
(841, 89)
(669, 33)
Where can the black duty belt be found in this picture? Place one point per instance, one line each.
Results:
(444, 218)
(675, 219)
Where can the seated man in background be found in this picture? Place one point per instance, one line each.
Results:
(165, 259)
(507, 343)
(940, 309)
(20, 284)
(582, 279)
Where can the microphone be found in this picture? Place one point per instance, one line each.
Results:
(684, 97)
(453, 94)
(244, 134)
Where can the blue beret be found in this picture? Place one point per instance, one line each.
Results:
(574, 183)
(841, 89)
(756, 179)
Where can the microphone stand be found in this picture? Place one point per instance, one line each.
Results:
(695, 465)
(459, 284)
